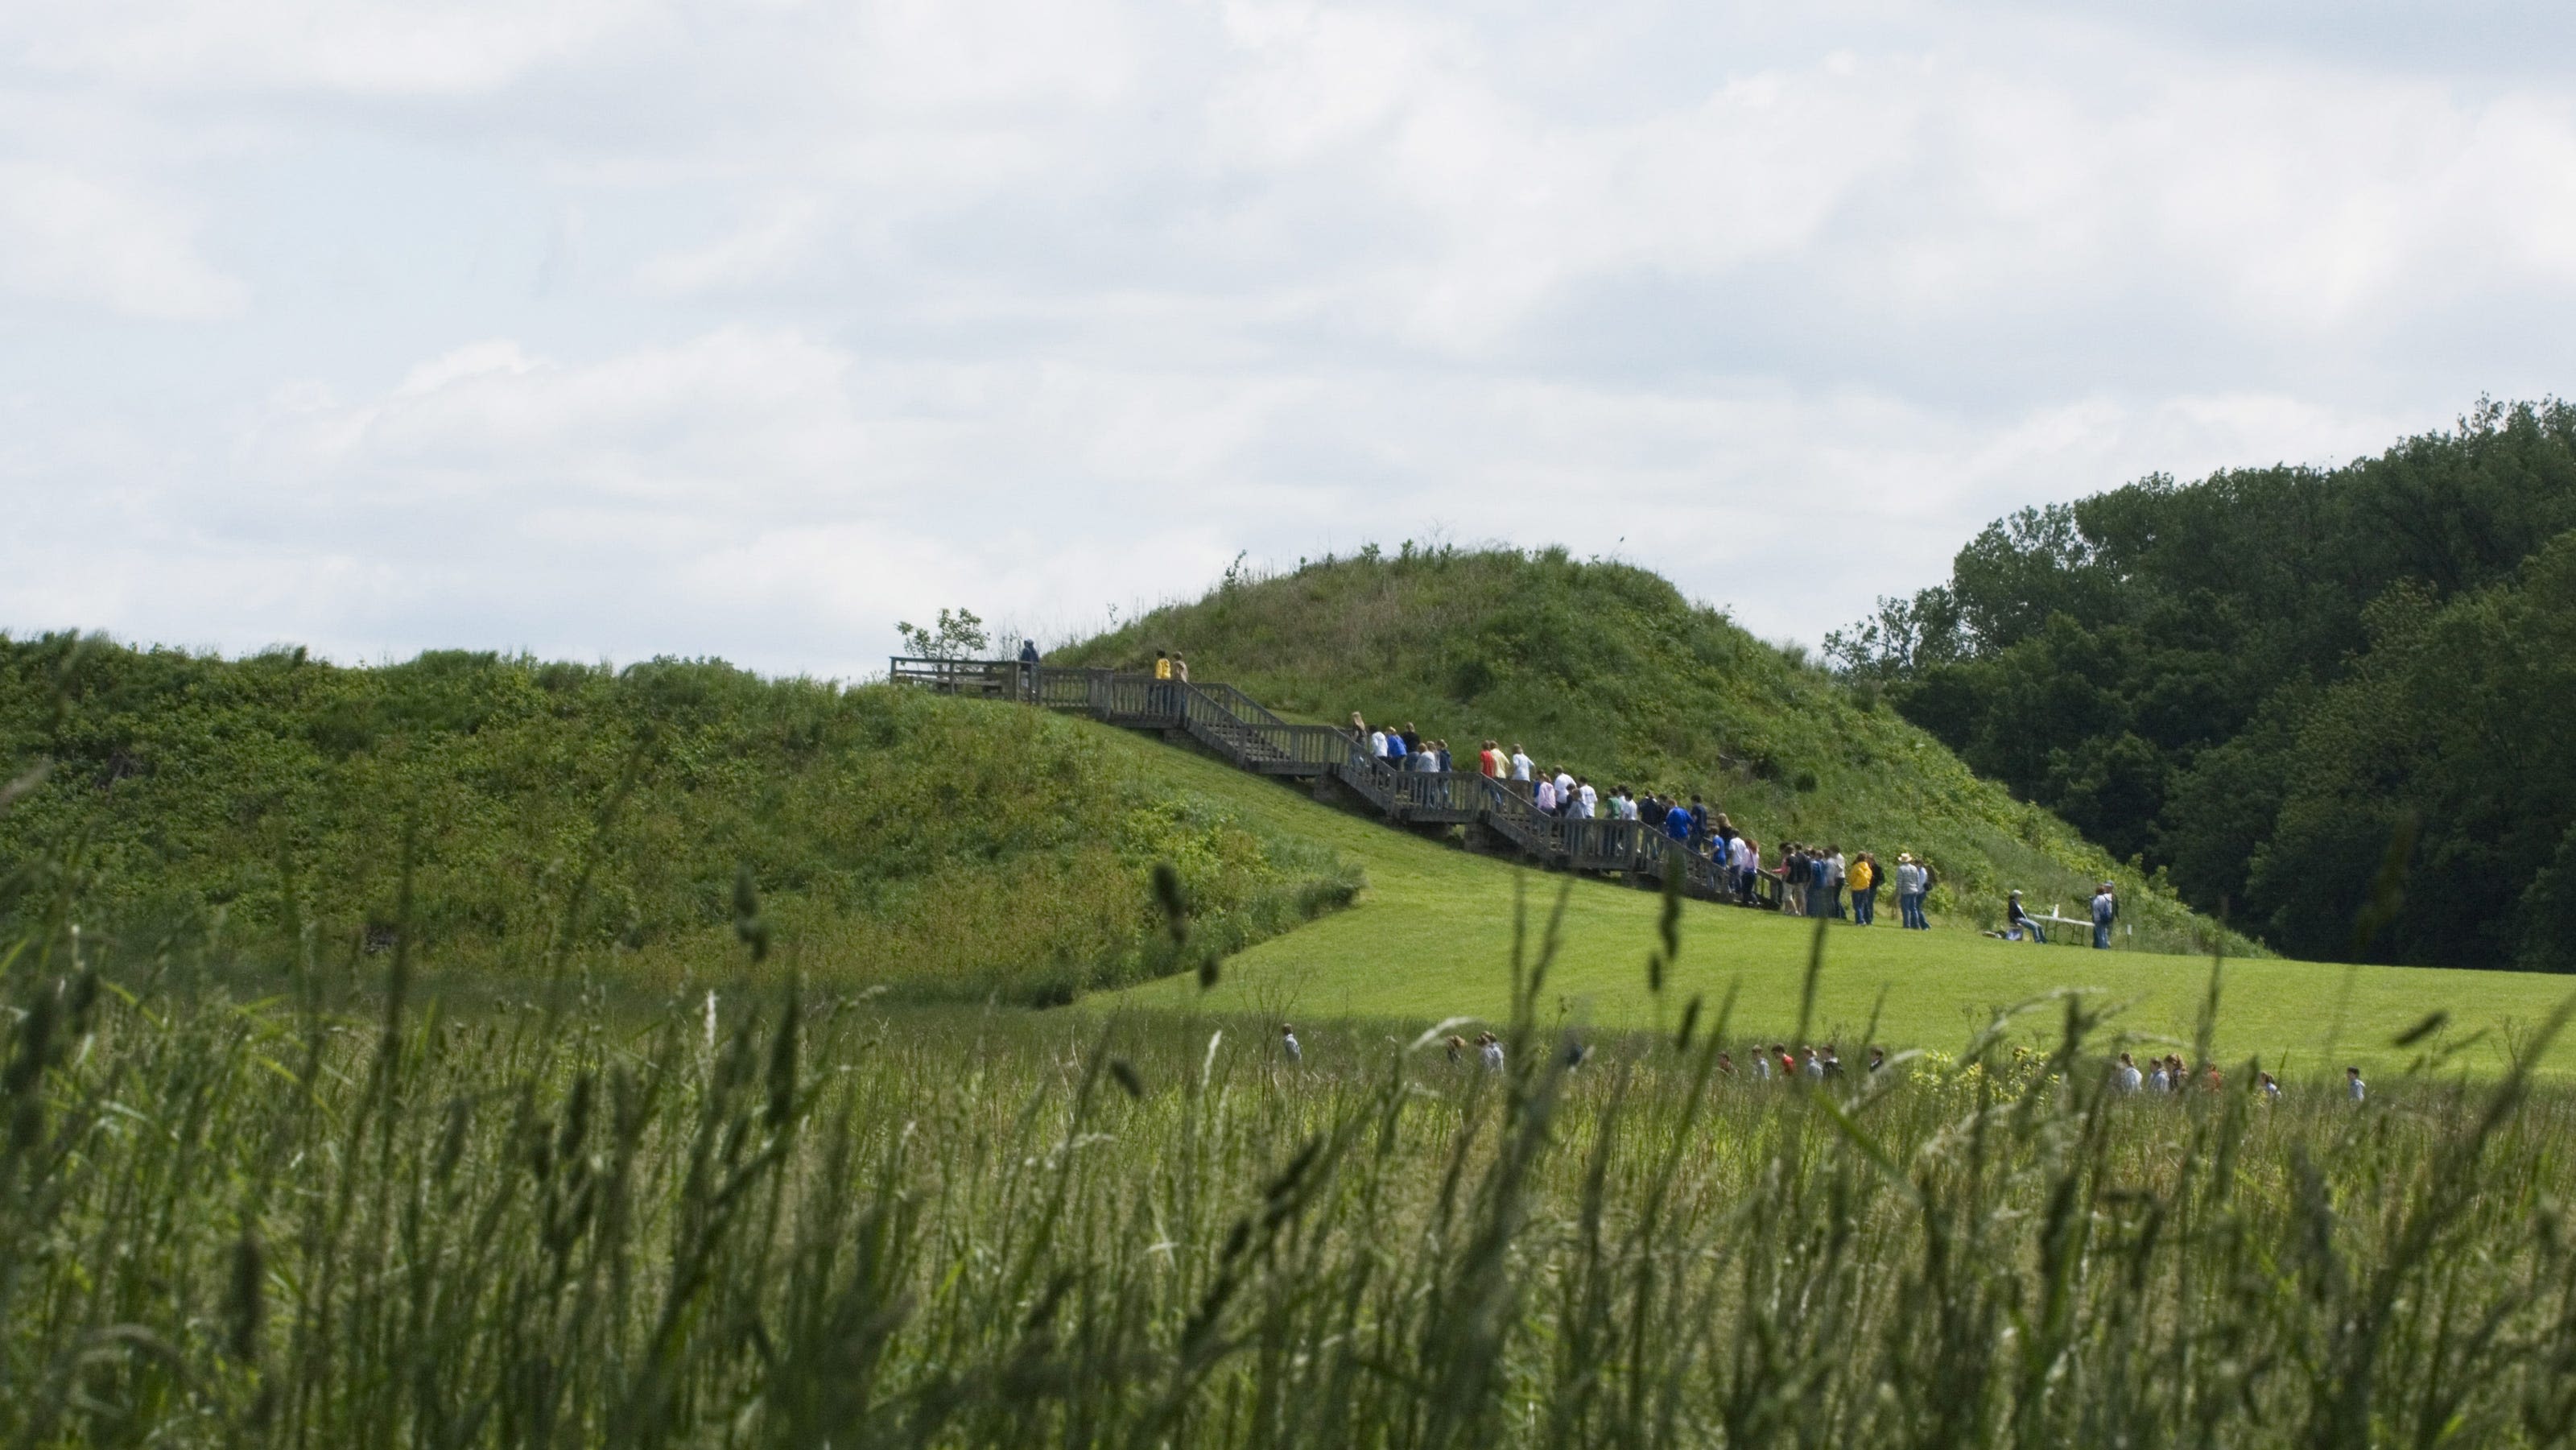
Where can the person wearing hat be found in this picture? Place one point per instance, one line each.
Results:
(1909, 891)
(2021, 921)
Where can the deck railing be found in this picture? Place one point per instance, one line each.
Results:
(1240, 728)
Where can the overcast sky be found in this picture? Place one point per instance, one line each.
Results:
(608, 330)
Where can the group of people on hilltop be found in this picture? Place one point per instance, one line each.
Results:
(1811, 880)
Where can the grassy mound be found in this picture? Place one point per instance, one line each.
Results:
(1607, 670)
(941, 848)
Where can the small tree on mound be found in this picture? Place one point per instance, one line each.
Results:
(958, 635)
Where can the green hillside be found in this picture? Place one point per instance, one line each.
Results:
(178, 805)
(1606, 669)
(1431, 937)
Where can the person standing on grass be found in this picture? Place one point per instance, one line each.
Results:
(1877, 1061)
(1909, 890)
(2268, 1086)
(1457, 1048)
(2353, 1087)
(1288, 1044)
(1836, 872)
(1864, 890)
(2106, 909)
(1819, 885)
(1788, 1064)
(1490, 1050)
(2126, 1078)
(2160, 1081)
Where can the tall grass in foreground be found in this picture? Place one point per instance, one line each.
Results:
(808, 1223)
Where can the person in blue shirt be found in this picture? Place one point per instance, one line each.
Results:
(1819, 872)
(1394, 750)
(1699, 821)
(1677, 826)
(2105, 907)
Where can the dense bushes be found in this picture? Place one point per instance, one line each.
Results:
(943, 847)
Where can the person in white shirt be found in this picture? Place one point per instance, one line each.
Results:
(1815, 1066)
(2158, 1080)
(1377, 746)
(1589, 798)
(2271, 1088)
(2353, 1087)
(1761, 1065)
(2127, 1079)
(1491, 1051)
(1521, 766)
(1564, 786)
(1288, 1042)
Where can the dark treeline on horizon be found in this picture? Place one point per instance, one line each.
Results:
(2332, 703)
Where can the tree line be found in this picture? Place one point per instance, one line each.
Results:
(2331, 703)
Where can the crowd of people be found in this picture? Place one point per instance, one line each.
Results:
(2164, 1076)
(1806, 879)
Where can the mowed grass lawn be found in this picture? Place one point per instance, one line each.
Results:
(1431, 938)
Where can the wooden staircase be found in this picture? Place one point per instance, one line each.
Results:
(1239, 729)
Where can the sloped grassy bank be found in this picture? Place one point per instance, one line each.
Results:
(1606, 669)
(939, 848)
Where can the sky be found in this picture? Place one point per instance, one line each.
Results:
(615, 330)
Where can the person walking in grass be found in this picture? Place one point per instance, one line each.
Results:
(2106, 909)
(2126, 1078)
(2268, 1086)
(1457, 1049)
(1490, 1050)
(1288, 1044)
(2353, 1087)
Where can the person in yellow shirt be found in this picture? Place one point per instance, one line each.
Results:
(1863, 880)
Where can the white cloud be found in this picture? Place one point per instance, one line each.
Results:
(842, 312)
(70, 237)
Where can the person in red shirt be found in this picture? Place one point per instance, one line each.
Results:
(1490, 761)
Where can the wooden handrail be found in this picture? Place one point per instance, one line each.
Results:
(1247, 734)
